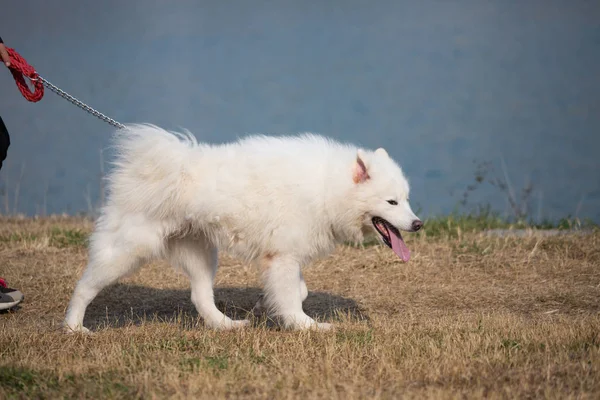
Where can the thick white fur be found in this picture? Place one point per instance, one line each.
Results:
(280, 202)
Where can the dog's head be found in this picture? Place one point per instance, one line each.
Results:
(383, 192)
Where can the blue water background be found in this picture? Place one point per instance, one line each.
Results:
(439, 84)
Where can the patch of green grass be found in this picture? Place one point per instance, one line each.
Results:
(57, 237)
(18, 237)
(450, 226)
(68, 238)
(24, 379)
(16, 382)
(215, 363)
(510, 344)
(361, 338)
(454, 224)
(179, 344)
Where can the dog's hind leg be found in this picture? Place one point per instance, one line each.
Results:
(113, 254)
(285, 290)
(198, 258)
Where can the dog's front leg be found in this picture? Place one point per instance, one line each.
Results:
(261, 306)
(284, 292)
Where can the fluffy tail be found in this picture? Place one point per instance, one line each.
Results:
(149, 165)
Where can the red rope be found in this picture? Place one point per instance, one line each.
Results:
(19, 68)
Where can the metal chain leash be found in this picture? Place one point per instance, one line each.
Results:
(21, 69)
(78, 103)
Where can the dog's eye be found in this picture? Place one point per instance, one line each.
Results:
(393, 202)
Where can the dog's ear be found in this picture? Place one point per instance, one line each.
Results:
(360, 168)
(381, 152)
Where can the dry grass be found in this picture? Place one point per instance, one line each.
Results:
(472, 317)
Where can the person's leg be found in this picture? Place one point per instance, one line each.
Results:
(4, 141)
(8, 297)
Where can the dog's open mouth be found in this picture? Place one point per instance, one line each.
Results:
(391, 237)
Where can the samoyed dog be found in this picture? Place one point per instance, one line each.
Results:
(276, 202)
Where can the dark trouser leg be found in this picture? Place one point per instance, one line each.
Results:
(4, 141)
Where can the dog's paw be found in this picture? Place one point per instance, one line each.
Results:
(229, 324)
(323, 326)
(318, 326)
(238, 324)
(304, 322)
(76, 329)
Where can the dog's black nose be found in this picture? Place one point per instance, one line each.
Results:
(417, 224)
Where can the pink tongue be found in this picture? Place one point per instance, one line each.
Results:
(399, 247)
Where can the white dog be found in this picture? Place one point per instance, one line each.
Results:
(278, 202)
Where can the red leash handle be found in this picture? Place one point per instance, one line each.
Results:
(20, 68)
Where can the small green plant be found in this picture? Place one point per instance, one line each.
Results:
(519, 202)
(510, 344)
